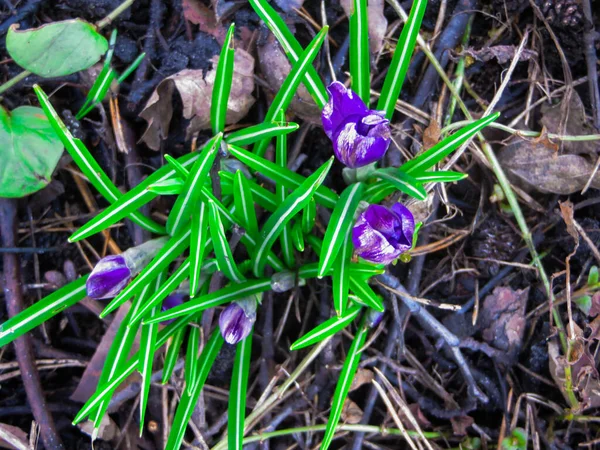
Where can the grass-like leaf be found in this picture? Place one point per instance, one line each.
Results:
(264, 198)
(244, 203)
(440, 176)
(297, 236)
(291, 47)
(360, 65)
(293, 203)
(265, 130)
(88, 165)
(364, 295)
(327, 328)
(180, 168)
(287, 250)
(288, 89)
(172, 249)
(403, 182)
(236, 412)
(217, 298)
(435, 154)
(174, 186)
(191, 357)
(188, 200)
(189, 399)
(309, 216)
(171, 355)
(401, 59)
(340, 275)
(221, 247)
(376, 192)
(197, 246)
(344, 383)
(289, 179)
(341, 221)
(222, 86)
(42, 311)
(99, 89)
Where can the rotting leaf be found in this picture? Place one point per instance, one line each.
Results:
(351, 413)
(533, 166)
(576, 125)
(377, 21)
(198, 13)
(502, 319)
(30, 151)
(502, 53)
(431, 135)
(363, 376)
(196, 92)
(56, 49)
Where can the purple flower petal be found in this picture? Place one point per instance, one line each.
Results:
(171, 301)
(235, 324)
(108, 278)
(342, 104)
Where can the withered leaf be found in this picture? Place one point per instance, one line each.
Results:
(431, 135)
(576, 125)
(502, 53)
(196, 92)
(363, 376)
(351, 412)
(377, 21)
(535, 167)
(198, 13)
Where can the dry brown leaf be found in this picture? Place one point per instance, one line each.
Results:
(363, 376)
(502, 53)
(431, 135)
(567, 212)
(275, 66)
(351, 413)
(197, 13)
(576, 125)
(535, 167)
(195, 92)
(502, 319)
(107, 431)
(460, 424)
(377, 21)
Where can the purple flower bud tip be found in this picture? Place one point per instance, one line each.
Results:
(360, 135)
(381, 234)
(108, 278)
(236, 323)
(171, 301)
(374, 318)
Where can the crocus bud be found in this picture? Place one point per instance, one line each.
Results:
(171, 301)
(236, 321)
(374, 317)
(113, 272)
(381, 234)
(286, 280)
(360, 135)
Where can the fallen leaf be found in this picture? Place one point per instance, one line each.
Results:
(576, 125)
(535, 167)
(377, 21)
(195, 92)
(351, 413)
(275, 66)
(431, 135)
(501, 53)
(107, 431)
(460, 424)
(502, 319)
(363, 376)
(198, 13)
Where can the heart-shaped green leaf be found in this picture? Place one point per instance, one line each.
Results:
(29, 149)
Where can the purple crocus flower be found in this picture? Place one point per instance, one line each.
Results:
(360, 135)
(236, 321)
(171, 301)
(113, 272)
(374, 317)
(381, 234)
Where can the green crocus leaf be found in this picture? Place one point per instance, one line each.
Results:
(30, 151)
(56, 49)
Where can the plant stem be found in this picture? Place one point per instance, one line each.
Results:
(14, 80)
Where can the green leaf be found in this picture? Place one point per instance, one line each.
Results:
(364, 271)
(438, 152)
(56, 49)
(174, 186)
(593, 276)
(309, 216)
(401, 59)
(341, 221)
(222, 250)
(188, 200)
(236, 411)
(584, 303)
(403, 182)
(181, 170)
(289, 179)
(440, 177)
(344, 382)
(250, 135)
(291, 47)
(42, 310)
(376, 192)
(327, 328)
(198, 246)
(191, 357)
(297, 236)
(285, 241)
(297, 200)
(172, 249)
(134, 65)
(244, 203)
(222, 86)
(148, 337)
(99, 89)
(96, 176)
(359, 51)
(365, 295)
(217, 298)
(172, 354)
(189, 399)
(340, 275)
(30, 151)
(264, 198)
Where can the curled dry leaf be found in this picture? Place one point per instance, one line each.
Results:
(275, 66)
(502, 319)
(533, 166)
(363, 376)
(351, 412)
(196, 92)
(377, 21)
